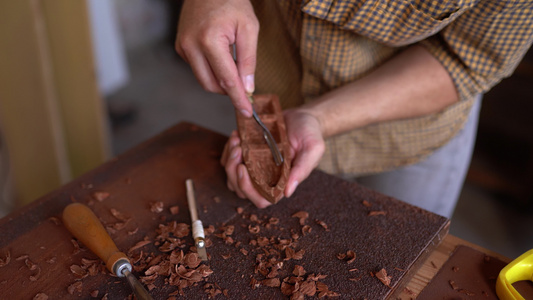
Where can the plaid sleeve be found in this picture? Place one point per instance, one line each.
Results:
(484, 45)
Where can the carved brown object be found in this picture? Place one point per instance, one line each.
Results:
(268, 179)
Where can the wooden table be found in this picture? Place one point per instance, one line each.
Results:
(31, 235)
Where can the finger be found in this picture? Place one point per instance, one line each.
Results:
(204, 74)
(303, 165)
(234, 160)
(225, 70)
(245, 185)
(246, 48)
(232, 142)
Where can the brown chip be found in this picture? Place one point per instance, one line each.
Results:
(287, 289)
(382, 276)
(366, 203)
(254, 228)
(40, 296)
(302, 215)
(292, 254)
(350, 256)
(297, 295)
(240, 210)
(94, 293)
(78, 271)
(76, 246)
(75, 287)
(455, 269)
(192, 260)
(323, 224)
(271, 282)
(174, 210)
(308, 288)
(453, 285)
(4, 262)
(100, 196)
(467, 292)
(298, 271)
(51, 260)
(156, 207)
(306, 229)
(376, 213)
(139, 245)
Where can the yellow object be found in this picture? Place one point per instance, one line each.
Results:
(518, 270)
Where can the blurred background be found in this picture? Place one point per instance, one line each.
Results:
(84, 81)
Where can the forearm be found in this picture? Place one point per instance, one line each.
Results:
(411, 84)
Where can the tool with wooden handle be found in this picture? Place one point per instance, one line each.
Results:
(85, 226)
(197, 227)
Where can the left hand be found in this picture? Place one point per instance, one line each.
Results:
(306, 149)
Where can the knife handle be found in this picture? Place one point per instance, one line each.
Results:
(85, 226)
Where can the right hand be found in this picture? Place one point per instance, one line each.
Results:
(206, 31)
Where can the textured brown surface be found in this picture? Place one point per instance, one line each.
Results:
(395, 240)
(473, 275)
(270, 180)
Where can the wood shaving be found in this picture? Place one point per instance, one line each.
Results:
(453, 285)
(156, 207)
(383, 277)
(302, 215)
(466, 292)
(323, 224)
(94, 293)
(51, 260)
(271, 282)
(100, 196)
(240, 210)
(366, 203)
(376, 213)
(174, 210)
(40, 296)
(455, 269)
(349, 256)
(76, 246)
(5, 261)
(75, 287)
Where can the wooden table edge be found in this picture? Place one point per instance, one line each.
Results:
(435, 261)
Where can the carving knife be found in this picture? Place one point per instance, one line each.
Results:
(85, 226)
(197, 227)
(276, 154)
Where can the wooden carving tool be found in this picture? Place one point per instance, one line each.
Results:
(197, 227)
(85, 226)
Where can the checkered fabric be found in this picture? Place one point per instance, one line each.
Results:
(309, 47)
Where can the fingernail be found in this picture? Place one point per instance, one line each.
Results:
(246, 113)
(249, 85)
(292, 188)
(234, 153)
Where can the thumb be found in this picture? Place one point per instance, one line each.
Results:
(303, 164)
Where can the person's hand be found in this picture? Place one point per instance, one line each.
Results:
(206, 30)
(306, 149)
(238, 178)
(307, 145)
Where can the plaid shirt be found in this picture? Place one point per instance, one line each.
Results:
(309, 47)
